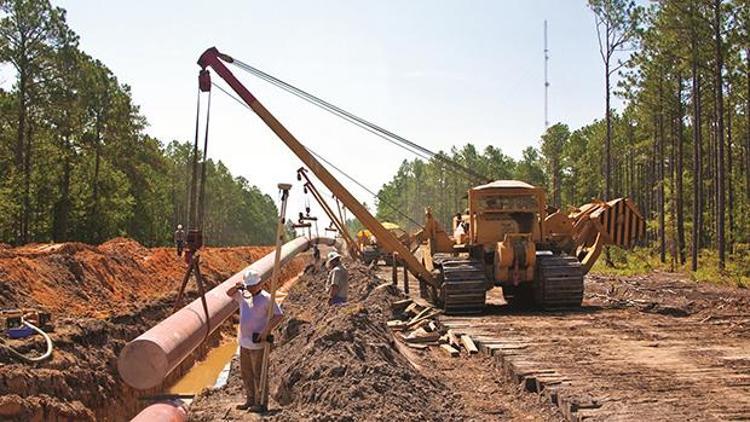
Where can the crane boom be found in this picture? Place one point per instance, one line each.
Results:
(214, 59)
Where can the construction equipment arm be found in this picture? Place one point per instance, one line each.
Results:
(214, 59)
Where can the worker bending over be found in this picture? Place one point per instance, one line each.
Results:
(253, 332)
(338, 279)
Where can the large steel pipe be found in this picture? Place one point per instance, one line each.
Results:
(146, 361)
(171, 411)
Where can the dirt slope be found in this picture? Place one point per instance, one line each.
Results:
(116, 277)
(100, 298)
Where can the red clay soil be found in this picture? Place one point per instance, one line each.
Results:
(100, 298)
(115, 277)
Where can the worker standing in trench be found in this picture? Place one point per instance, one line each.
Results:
(338, 280)
(253, 333)
(179, 239)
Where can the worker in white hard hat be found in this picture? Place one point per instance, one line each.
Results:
(338, 279)
(179, 239)
(253, 333)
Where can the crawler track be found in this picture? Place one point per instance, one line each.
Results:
(559, 282)
(464, 288)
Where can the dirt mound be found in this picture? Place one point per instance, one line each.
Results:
(84, 280)
(100, 298)
(340, 363)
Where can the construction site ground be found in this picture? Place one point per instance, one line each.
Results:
(342, 363)
(100, 297)
(654, 347)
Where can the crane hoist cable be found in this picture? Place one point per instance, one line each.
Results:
(333, 166)
(406, 144)
(312, 100)
(196, 204)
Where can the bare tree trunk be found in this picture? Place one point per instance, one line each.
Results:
(730, 171)
(21, 230)
(697, 168)
(660, 177)
(93, 218)
(720, 133)
(673, 246)
(608, 140)
(679, 174)
(27, 185)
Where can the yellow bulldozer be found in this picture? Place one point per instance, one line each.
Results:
(510, 238)
(507, 238)
(371, 251)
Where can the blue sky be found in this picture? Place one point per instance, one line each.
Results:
(438, 72)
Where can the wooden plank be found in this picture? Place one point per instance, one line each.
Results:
(420, 346)
(400, 304)
(425, 317)
(396, 324)
(411, 309)
(450, 350)
(468, 344)
(422, 336)
(453, 339)
(419, 315)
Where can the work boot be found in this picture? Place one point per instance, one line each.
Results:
(260, 408)
(245, 406)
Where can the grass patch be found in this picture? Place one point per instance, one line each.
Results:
(643, 260)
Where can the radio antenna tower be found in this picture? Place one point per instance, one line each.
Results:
(546, 81)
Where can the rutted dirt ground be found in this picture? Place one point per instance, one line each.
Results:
(341, 363)
(656, 347)
(100, 297)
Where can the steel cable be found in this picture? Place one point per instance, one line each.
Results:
(371, 127)
(343, 173)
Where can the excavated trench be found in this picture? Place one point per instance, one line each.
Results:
(100, 297)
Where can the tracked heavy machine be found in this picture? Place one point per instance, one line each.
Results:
(370, 249)
(508, 239)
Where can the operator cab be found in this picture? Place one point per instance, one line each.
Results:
(504, 207)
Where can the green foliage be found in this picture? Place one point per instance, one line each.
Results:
(76, 162)
(643, 260)
(418, 185)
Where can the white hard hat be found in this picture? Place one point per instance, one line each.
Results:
(251, 278)
(333, 255)
(179, 226)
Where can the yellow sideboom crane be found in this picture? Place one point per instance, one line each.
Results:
(215, 60)
(507, 238)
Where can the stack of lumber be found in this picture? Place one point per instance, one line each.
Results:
(417, 326)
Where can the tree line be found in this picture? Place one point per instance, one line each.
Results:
(75, 160)
(680, 146)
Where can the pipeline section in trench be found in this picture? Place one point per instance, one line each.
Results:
(146, 361)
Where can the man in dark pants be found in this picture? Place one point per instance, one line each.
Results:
(179, 239)
(338, 280)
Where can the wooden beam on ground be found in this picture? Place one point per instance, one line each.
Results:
(400, 305)
(453, 339)
(424, 317)
(450, 350)
(469, 344)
